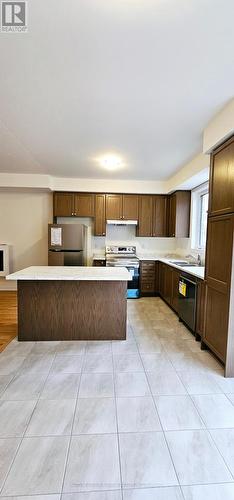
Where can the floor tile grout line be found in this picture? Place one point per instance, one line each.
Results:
(72, 426)
(117, 424)
(162, 428)
(21, 439)
(211, 437)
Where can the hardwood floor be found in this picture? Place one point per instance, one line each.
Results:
(8, 317)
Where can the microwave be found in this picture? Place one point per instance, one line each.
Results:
(4, 260)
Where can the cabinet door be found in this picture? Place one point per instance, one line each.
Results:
(222, 180)
(168, 284)
(200, 307)
(175, 289)
(218, 276)
(100, 215)
(172, 216)
(145, 215)
(84, 205)
(63, 204)
(160, 216)
(114, 207)
(130, 206)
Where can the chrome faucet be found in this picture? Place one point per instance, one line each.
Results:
(199, 260)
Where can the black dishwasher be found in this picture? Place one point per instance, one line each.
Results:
(187, 301)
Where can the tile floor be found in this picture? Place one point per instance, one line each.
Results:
(151, 418)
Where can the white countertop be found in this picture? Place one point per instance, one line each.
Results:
(70, 273)
(198, 271)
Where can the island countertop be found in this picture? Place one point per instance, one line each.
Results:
(71, 273)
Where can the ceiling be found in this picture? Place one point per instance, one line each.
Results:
(138, 78)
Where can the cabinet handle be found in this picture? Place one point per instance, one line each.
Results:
(72, 213)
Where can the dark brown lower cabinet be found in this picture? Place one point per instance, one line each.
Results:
(175, 290)
(219, 255)
(200, 309)
(147, 277)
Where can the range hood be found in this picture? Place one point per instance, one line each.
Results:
(122, 222)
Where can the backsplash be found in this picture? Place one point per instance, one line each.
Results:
(126, 235)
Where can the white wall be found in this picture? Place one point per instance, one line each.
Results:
(220, 128)
(23, 225)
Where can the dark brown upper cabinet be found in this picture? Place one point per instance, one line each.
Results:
(73, 205)
(114, 206)
(145, 224)
(179, 214)
(100, 215)
(222, 180)
(121, 206)
(63, 204)
(152, 216)
(130, 207)
(83, 205)
(159, 219)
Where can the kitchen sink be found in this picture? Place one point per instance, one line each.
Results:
(183, 263)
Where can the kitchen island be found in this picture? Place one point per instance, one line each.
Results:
(71, 303)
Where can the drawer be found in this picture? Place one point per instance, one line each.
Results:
(148, 265)
(148, 280)
(148, 274)
(147, 287)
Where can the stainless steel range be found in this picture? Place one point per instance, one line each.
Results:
(125, 257)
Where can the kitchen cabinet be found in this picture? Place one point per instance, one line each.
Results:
(200, 307)
(100, 215)
(147, 277)
(159, 218)
(145, 215)
(114, 206)
(63, 204)
(152, 216)
(161, 279)
(221, 200)
(175, 290)
(130, 207)
(83, 205)
(168, 284)
(73, 204)
(218, 278)
(179, 214)
(121, 206)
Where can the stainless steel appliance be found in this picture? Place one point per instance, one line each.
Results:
(125, 256)
(187, 301)
(66, 245)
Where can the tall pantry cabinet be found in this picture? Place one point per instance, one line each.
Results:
(219, 315)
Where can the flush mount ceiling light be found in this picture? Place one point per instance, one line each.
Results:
(111, 162)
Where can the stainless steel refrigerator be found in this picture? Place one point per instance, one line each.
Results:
(67, 245)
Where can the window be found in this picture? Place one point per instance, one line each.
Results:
(200, 198)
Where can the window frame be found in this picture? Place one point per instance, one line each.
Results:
(196, 218)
